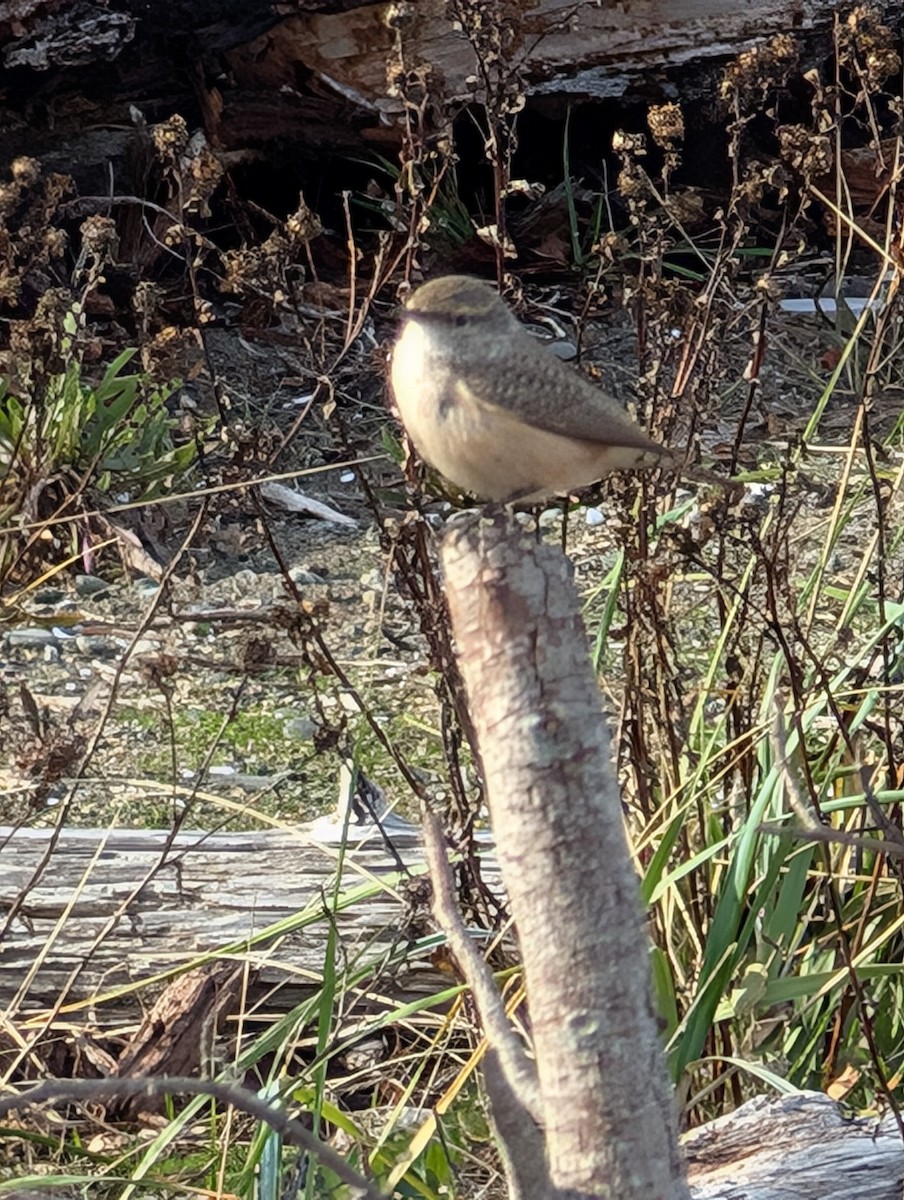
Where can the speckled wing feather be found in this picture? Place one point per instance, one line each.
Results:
(561, 399)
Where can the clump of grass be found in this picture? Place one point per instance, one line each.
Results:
(761, 715)
(70, 445)
(115, 436)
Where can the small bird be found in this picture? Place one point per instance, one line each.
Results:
(493, 411)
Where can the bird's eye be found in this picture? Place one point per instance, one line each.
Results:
(460, 320)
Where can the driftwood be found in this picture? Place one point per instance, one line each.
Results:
(798, 1148)
(219, 887)
(258, 76)
(112, 909)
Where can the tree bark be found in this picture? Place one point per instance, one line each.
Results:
(258, 77)
(607, 1105)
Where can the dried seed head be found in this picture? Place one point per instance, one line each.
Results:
(170, 137)
(25, 171)
(666, 122)
(808, 152)
(99, 238)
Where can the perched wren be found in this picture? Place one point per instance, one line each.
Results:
(495, 412)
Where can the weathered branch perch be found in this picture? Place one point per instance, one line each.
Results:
(608, 1113)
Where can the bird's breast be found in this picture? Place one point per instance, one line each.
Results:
(423, 386)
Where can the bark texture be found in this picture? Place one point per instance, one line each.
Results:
(259, 77)
(799, 1147)
(611, 1128)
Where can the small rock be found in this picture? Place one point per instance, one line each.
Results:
(49, 596)
(300, 729)
(566, 351)
(95, 646)
(303, 576)
(146, 588)
(146, 646)
(32, 639)
(90, 585)
(594, 517)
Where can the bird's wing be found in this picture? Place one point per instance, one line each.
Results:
(547, 393)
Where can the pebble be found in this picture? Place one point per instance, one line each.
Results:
(90, 585)
(95, 646)
(300, 729)
(147, 646)
(594, 517)
(32, 639)
(50, 597)
(146, 588)
(566, 351)
(304, 576)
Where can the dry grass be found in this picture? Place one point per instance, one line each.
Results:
(748, 640)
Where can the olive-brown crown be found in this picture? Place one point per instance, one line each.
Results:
(455, 298)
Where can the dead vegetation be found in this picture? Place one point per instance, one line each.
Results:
(748, 642)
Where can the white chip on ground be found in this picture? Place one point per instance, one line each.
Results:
(295, 501)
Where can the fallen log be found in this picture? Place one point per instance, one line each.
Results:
(90, 918)
(799, 1147)
(259, 77)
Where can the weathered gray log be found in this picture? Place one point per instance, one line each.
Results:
(229, 886)
(558, 47)
(112, 909)
(800, 1147)
(258, 75)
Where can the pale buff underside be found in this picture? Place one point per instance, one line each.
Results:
(486, 449)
